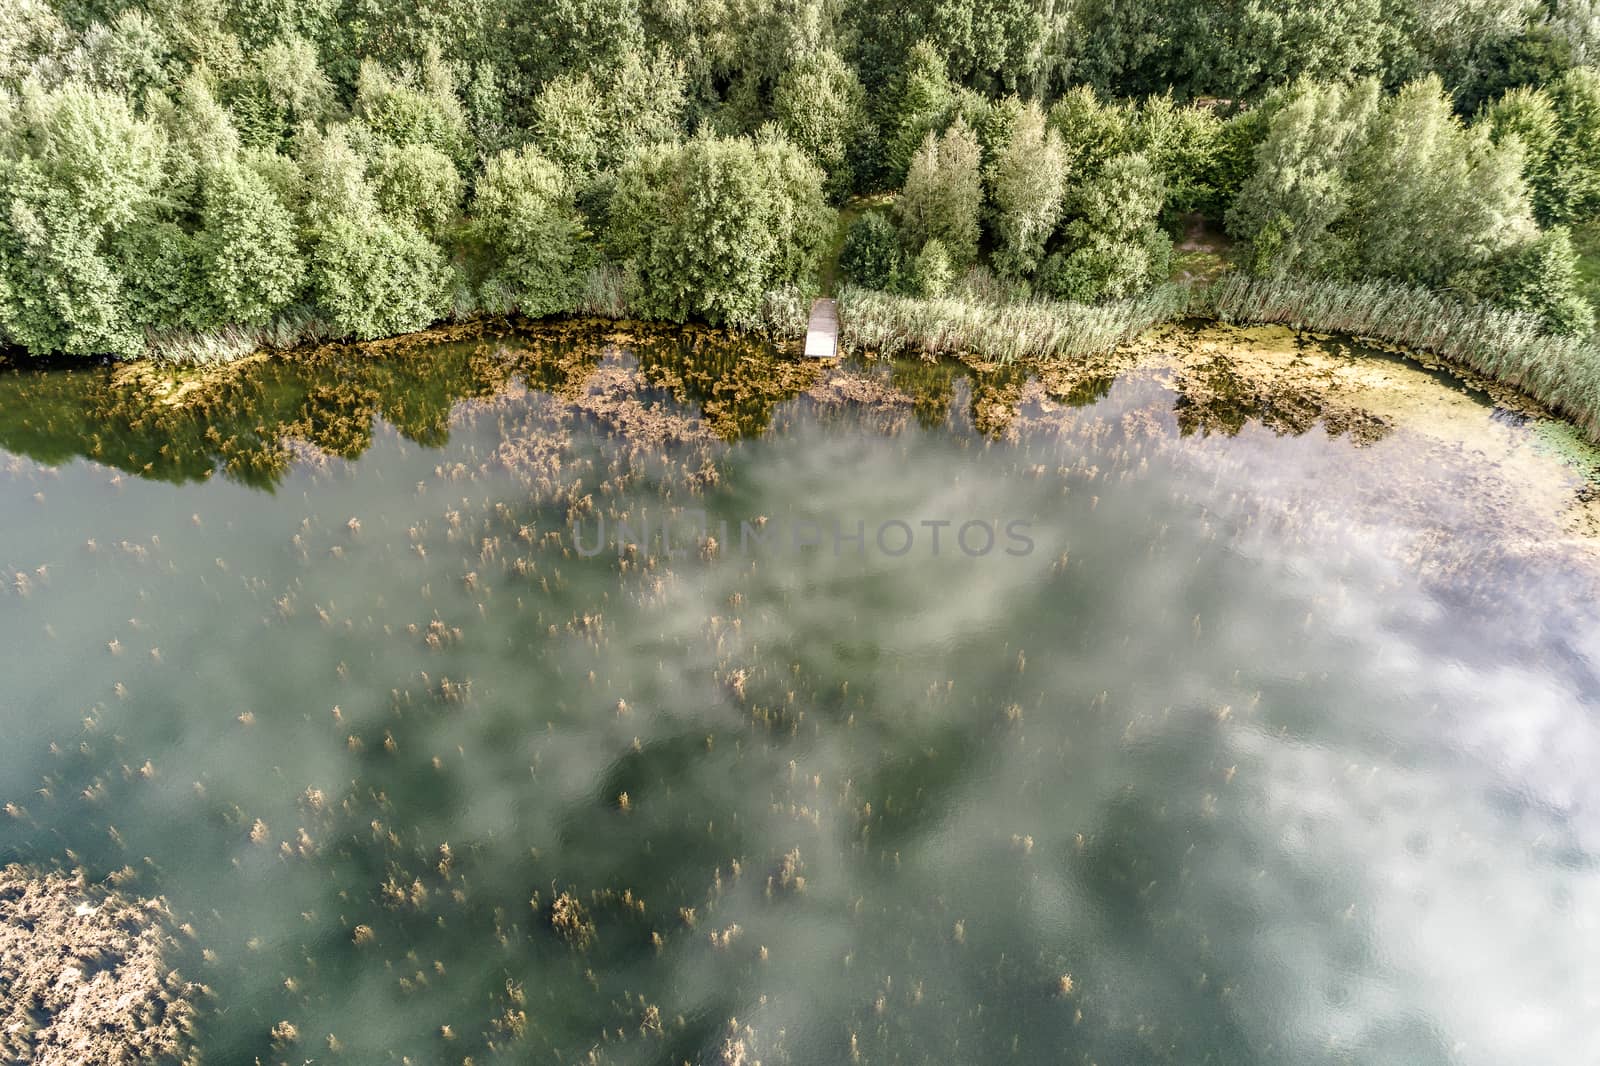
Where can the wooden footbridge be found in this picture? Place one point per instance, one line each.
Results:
(822, 331)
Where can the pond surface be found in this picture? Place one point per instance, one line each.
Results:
(1223, 746)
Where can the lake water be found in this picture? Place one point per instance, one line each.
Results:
(1232, 746)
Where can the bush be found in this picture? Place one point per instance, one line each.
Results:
(712, 225)
(1115, 246)
(1541, 279)
(417, 185)
(163, 286)
(531, 234)
(931, 272)
(245, 251)
(871, 256)
(372, 278)
(76, 168)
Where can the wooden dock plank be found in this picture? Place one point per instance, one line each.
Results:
(822, 331)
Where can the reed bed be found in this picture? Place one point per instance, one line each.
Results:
(1562, 373)
(785, 314)
(605, 292)
(884, 324)
(191, 348)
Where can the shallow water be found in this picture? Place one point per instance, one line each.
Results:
(1239, 747)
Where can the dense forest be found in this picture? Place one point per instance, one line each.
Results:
(178, 174)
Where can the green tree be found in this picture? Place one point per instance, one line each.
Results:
(943, 195)
(368, 276)
(1113, 245)
(1227, 48)
(1528, 115)
(931, 271)
(1182, 144)
(644, 104)
(76, 168)
(1299, 189)
(371, 278)
(200, 131)
(1027, 181)
(162, 280)
(915, 106)
(31, 31)
(542, 39)
(128, 57)
(568, 120)
(821, 106)
(872, 255)
(281, 87)
(711, 225)
(1541, 278)
(530, 233)
(1429, 196)
(990, 45)
(419, 107)
(418, 186)
(1091, 131)
(1574, 158)
(245, 250)
(588, 127)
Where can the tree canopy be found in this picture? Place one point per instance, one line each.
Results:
(175, 167)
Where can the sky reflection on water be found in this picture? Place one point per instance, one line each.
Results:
(1274, 749)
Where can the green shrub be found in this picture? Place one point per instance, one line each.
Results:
(1114, 247)
(712, 225)
(871, 256)
(373, 278)
(163, 285)
(530, 233)
(245, 251)
(76, 168)
(417, 185)
(931, 272)
(1541, 279)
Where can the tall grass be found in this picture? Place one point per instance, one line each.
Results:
(884, 324)
(1563, 373)
(605, 292)
(785, 313)
(223, 345)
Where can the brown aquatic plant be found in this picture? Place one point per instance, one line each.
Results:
(571, 921)
(84, 977)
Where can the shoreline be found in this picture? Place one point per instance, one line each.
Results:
(1521, 367)
(1223, 375)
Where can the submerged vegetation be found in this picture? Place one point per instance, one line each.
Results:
(419, 778)
(1562, 372)
(86, 975)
